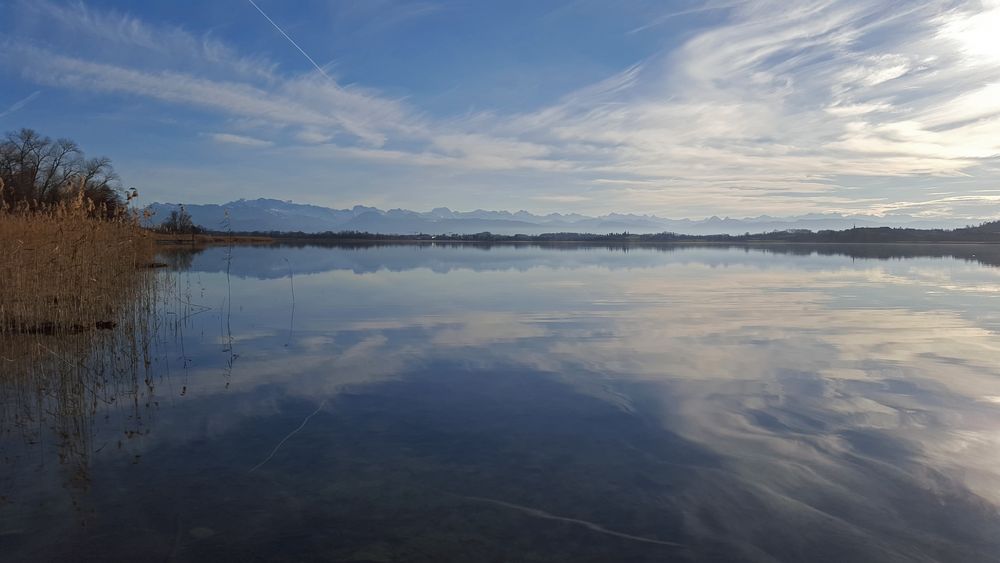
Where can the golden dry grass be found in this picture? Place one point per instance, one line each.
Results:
(63, 270)
(76, 301)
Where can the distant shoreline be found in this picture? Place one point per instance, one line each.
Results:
(210, 239)
(986, 252)
(987, 233)
(281, 240)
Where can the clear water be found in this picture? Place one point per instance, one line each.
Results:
(525, 403)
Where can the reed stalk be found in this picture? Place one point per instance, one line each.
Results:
(77, 297)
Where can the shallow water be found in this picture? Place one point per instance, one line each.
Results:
(567, 403)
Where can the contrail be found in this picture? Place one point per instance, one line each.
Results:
(290, 40)
(285, 439)
(589, 525)
(20, 103)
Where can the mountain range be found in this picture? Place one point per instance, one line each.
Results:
(286, 216)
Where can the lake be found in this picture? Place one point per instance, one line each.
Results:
(432, 402)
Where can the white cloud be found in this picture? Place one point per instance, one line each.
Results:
(561, 198)
(305, 100)
(115, 31)
(765, 111)
(314, 136)
(974, 32)
(229, 138)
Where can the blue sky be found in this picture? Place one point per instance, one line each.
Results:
(683, 109)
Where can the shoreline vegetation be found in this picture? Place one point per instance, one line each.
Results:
(985, 233)
(77, 298)
(65, 268)
(76, 304)
(72, 249)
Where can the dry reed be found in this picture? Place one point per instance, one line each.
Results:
(76, 301)
(65, 267)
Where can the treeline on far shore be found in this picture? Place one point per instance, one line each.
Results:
(986, 232)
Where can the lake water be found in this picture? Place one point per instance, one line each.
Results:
(527, 403)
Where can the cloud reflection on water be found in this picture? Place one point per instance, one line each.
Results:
(841, 398)
(749, 359)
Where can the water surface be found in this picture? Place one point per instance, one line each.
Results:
(567, 403)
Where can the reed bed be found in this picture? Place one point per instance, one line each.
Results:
(65, 267)
(77, 313)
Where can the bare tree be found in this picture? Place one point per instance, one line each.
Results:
(35, 169)
(58, 162)
(179, 222)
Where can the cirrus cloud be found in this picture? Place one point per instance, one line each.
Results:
(771, 107)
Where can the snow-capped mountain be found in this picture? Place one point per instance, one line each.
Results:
(277, 215)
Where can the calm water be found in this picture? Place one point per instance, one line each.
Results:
(516, 403)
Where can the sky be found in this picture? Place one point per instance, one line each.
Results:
(678, 108)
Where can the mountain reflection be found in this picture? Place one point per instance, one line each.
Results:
(371, 257)
(665, 403)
